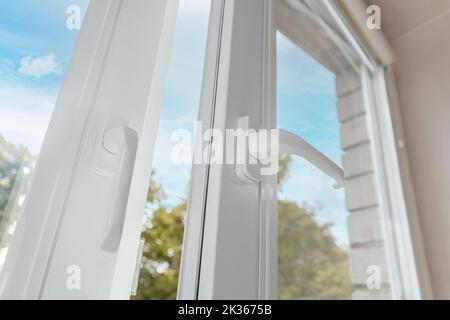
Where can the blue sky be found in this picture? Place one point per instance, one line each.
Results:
(35, 49)
(182, 94)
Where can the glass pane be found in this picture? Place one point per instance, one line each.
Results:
(329, 241)
(163, 224)
(37, 39)
(313, 241)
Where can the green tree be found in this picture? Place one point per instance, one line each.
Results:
(311, 264)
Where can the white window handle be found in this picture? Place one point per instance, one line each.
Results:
(114, 161)
(290, 144)
(128, 140)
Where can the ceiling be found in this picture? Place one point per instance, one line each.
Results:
(400, 16)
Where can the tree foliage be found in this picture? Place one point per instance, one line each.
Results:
(311, 264)
(162, 252)
(163, 236)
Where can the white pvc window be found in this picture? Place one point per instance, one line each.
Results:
(73, 241)
(238, 218)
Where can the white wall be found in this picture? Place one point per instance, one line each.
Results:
(423, 80)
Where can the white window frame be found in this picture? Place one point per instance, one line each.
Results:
(207, 217)
(405, 279)
(188, 283)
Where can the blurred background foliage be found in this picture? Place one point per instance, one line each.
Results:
(16, 164)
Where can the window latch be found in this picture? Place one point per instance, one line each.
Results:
(287, 143)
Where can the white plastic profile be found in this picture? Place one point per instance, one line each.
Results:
(288, 144)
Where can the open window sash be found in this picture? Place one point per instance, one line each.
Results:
(78, 237)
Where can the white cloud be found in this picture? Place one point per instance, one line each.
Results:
(40, 66)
